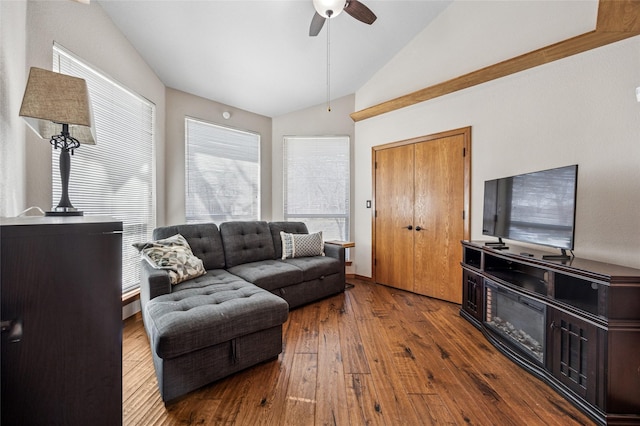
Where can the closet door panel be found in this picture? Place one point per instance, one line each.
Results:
(394, 195)
(439, 222)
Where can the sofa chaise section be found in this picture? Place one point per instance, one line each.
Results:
(203, 333)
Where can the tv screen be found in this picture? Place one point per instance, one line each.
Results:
(536, 207)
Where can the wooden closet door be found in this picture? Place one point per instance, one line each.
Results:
(438, 217)
(394, 197)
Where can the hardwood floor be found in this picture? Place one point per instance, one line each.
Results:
(373, 355)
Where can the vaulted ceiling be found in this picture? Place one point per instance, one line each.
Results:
(257, 55)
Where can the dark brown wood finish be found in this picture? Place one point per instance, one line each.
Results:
(61, 277)
(592, 319)
(372, 355)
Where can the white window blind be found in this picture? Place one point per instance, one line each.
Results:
(222, 173)
(317, 184)
(115, 177)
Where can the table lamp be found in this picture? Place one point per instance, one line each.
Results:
(56, 106)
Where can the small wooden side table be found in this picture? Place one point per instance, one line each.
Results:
(345, 244)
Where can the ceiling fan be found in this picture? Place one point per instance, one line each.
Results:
(326, 9)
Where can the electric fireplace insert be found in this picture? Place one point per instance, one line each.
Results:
(519, 320)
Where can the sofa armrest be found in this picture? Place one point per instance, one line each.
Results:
(334, 250)
(153, 282)
(337, 251)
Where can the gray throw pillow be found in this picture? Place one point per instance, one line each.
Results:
(301, 245)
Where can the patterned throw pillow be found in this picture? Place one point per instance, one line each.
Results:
(301, 245)
(175, 256)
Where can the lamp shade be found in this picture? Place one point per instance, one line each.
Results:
(52, 99)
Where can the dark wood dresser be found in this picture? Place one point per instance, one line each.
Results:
(60, 292)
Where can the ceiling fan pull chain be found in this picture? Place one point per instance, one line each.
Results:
(329, 13)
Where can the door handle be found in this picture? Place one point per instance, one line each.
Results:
(409, 227)
(418, 228)
(14, 328)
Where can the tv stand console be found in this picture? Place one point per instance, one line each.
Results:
(574, 323)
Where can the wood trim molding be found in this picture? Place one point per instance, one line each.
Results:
(363, 278)
(617, 20)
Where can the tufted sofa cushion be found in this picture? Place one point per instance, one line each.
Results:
(316, 267)
(246, 242)
(204, 240)
(269, 274)
(196, 316)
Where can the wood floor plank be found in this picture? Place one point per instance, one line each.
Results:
(352, 351)
(257, 401)
(331, 397)
(193, 411)
(373, 355)
(483, 394)
(364, 296)
(460, 373)
(300, 403)
(459, 363)
(275, 398)
(393, 400)
(408, 366)
(231, 394)
(441, 376)
(364, 408)
(432, 409)
(304, 325)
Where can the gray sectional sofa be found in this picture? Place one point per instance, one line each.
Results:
(230, 318)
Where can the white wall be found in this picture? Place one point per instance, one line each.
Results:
(89, 33)
(472, 34)
(13, 22)
(181, 105)
(579, 110)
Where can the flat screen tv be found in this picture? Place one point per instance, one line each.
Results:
(536, 207)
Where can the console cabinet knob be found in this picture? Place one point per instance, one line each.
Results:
(14, 328)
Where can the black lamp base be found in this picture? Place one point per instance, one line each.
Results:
(67, 144)
(66, 212)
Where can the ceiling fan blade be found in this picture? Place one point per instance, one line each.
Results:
(317, 23)
(359, 11)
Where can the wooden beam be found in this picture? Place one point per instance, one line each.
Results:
(617, 20)
(619, 15)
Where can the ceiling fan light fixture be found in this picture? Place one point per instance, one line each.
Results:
(335, 7)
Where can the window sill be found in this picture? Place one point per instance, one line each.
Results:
(130, 296)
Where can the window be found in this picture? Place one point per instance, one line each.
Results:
(222, 168)
(115, 177)
(316, 184)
